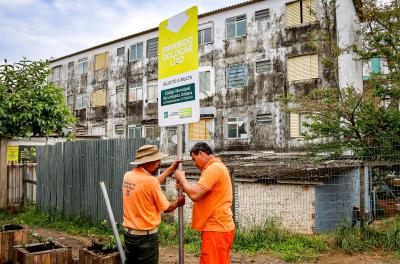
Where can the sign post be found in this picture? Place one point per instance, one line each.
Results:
(178, 81)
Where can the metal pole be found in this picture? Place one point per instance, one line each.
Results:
(180, 209)
(112, 221)
(362, 197)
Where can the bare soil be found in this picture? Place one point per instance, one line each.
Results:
(169, 255)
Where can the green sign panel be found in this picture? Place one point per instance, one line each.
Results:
(178, 94)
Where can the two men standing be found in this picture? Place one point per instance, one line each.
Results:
(144, 201)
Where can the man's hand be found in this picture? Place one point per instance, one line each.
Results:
(180, 200)
(180, 176)
(175, 164)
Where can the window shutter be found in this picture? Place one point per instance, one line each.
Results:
(295, 68)
(194, 131)
(199, 131)
(293, 14)
(99, 98)
(294, 125)
(302, 67)
(313, 66)
(309, 11)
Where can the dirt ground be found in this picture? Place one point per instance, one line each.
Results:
(169, 255)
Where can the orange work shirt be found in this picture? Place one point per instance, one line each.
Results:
(213, 211)
(143, 200)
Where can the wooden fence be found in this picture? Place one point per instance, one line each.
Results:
(21, 183)
(69, 175)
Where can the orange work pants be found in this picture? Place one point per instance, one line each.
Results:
(216, 247)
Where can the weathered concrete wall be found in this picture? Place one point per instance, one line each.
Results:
(268, 39)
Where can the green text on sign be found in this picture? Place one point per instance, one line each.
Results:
(178, 94)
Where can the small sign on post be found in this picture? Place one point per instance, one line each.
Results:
(12, 154)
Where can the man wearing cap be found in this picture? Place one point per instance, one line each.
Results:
(212, 197)
(143, 202)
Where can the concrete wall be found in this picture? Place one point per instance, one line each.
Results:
(350, 70)
(337, 197)
(268, 39)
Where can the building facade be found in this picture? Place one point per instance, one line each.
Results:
(250, 55)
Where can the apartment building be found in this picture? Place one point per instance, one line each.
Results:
(250, 55)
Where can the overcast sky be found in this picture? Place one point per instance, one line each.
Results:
(40, 29)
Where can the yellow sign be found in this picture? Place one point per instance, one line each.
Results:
(178, 64)
(178, 46)
(12, 154)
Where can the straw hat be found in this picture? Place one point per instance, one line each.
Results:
(147, 153)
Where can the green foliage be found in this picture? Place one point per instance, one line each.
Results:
(385, 236)
(29, 105)
(366, 122)
(270, 237)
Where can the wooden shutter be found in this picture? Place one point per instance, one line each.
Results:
(99, 98)
(302, 67)
(294, 123)
(293, 14)
(313, 66)
(101, 61)
(199, 131)
(295, 68)
(309, 11)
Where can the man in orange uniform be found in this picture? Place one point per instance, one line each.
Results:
(143, 201)
(212, 197)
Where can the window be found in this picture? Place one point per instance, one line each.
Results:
(152, 91)
(135, 91)
(200, 130)
(101, 61)
(152, 48)
(300, 12)
(262, 14)
(120, 95)
(136, 52)
(81, 130)
(121, 51)
(264, 119)
(204, 81)
(119, 129)
(83, 66)
(57, 73)
(71, 66)
(81, 101)
(263, 66)
(237, 76)
(99, 98)
(302, 67)
(205, 36)
(134, 131)
(98, 131)
(298, 123)
(152, 132)
(236, 27)
(237, 128)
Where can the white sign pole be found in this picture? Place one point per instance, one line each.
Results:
(180, 209)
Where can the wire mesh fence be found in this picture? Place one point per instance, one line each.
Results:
(307, 190)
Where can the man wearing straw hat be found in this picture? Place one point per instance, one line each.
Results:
(212, 197)
(143, 202)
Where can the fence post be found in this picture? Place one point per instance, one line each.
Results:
(362, 197)
(24, 178)
(3, 173)
(234, 194)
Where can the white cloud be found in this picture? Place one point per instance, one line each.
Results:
(40, 29)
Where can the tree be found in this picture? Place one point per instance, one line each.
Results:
(367, 121)
(29, 104)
